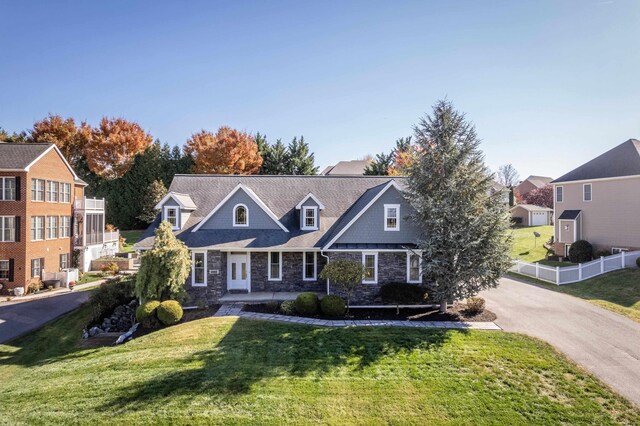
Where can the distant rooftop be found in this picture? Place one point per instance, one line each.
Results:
(346, 168)
(17, 156)
(539, 181)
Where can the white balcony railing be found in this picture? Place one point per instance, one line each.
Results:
(95, 204)
(111, 236)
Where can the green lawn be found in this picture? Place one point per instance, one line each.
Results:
(238, 371)
(617, 291)
(89, 277)
(131, 237)
(528, 248)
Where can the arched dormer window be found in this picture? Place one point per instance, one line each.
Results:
(240, 215)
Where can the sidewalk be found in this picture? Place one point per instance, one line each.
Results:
(47, 294)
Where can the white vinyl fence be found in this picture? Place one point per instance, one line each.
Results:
(65, 276)
(573, 274)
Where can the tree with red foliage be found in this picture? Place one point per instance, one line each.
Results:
(71, 139)
(540, 197)
(229, 152)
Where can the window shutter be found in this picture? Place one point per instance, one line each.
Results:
(16, 223)
(18, 189)
(60, 261)
(41, 266)
(32, 260)
(10, 269)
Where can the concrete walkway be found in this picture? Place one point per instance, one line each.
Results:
(47, 294)
(261, 296)
(605, 343)
(236, 310)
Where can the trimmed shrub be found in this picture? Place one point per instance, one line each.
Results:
(272, 305)
(109, 295)
(581, 251)
(402, 294)
(601, 253)
(307, 303)
(638, 262)
(333, 306)
(146, 310)
(288, 307)
(475, 305)
(169, 312)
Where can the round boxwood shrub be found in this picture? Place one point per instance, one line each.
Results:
(638, 262)
(146, 310)
(288, 307)
(581, 251)
(307, 303)
(333, 306)
(169, 312)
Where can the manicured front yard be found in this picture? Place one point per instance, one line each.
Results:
(528, 248)
(229, 371)
(89, 277)
(131, 237)
(617, 291)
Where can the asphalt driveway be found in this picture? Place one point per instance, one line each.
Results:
(606, 344)
(20, 318)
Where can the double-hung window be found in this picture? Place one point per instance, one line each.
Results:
(7, 228)
(65, 192)
(586, 192)
(559, 194)
(414, 267)
(65, 226)
(309, 265)
(310, 218)
(8, 189)
(199, 269)
(172, 217)
(52, 191)
(370, 263)
(240, 215)
(36, 267)
(52, 227)
(392, 217)
(37, 228)
(37, 189)
(5, 265)
(275, 266)
(64, 260)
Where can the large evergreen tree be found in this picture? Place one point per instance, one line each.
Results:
(279, 159)
(301, 161)
(152, 195)
(463, 231)
(380, 165)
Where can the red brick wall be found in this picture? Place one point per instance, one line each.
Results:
(49, 167)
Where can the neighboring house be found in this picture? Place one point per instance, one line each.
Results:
(498, 188)
(531, 215)
(276, 233)
(44, 215)
(531, 183)
(346, 168)
(600, 202)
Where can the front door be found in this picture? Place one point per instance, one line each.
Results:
(238, 271)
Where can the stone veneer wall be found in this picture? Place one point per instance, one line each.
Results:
(291, 274)
(216, 284)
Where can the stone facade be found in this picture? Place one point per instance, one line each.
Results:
(291, 274)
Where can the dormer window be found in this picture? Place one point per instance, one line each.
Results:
(391, 217)
(309, 218)
(240, 215)
(171, 216)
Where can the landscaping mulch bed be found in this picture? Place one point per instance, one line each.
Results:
(196, 314)
(454, 313)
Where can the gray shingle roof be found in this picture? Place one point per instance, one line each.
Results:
(623, 160)
(17, 156)
(342, 196)
(539, 181)
(347, 168)
(532, 208)
(569, 214)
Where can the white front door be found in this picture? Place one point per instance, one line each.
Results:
(238, 271)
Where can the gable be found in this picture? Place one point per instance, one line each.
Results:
(222, 218)
(369, 227)
(51, 163)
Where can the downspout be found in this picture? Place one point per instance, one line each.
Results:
(327, 257)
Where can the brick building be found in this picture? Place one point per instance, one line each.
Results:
(44, 216)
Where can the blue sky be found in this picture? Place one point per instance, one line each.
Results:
(549, 84)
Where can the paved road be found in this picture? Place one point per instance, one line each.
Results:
(606, 344)
(20, 318)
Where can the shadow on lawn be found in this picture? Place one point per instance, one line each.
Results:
(253, 351)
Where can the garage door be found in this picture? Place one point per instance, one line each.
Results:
(538, 218)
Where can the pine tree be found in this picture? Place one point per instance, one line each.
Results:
(380, 165)
(463, 231)
(275, 159)
(151, 197)
(300, 161)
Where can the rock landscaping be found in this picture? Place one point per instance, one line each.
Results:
(121, 320)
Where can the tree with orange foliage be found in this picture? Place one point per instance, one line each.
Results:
(113, 146)
(70, 139)
(229, 152)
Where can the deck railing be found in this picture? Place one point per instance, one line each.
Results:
(573, 274)
(89, 204)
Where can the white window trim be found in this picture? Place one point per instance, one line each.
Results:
(304, 218)
(193, 269)
(61, 219)
(50, 192)
(590, 192)
(304, 266)
(386, 212)
(166, 216)
(409, 254)
(555, 196)
(4, 185)
(2, 229)
(44, 227)
(270, 278)
(47, 227)
(246, 214)
(44, 192)
(375, 271)
(8, 268)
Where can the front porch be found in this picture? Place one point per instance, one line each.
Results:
(262, 296)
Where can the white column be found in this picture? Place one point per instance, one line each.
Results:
(602, 264)
(580, 271)
(624, 263)
(558, 275)
(537, 270)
